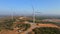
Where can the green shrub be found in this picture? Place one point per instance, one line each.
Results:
(25, 26)
(46, 30)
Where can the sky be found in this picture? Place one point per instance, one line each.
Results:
(24, 7)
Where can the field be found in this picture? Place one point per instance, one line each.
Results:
(25, 25)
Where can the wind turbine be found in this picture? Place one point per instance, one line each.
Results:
(33, 14)
(12, 14)
(34, 19)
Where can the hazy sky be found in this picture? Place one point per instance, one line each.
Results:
(25, 6)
